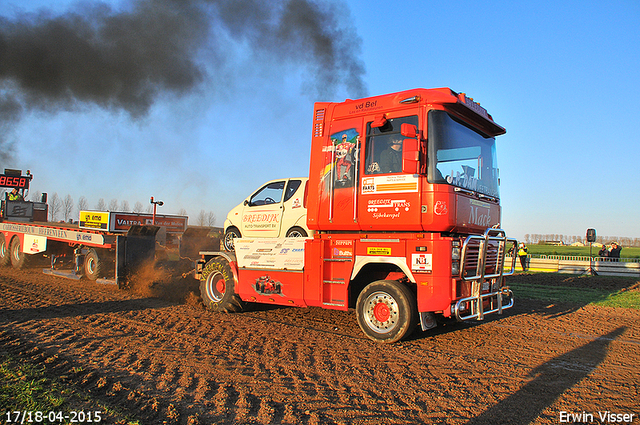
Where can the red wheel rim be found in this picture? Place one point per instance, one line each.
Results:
(221, 286)
(381, 312)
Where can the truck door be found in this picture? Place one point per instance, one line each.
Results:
(262, 213)
(341, 176)
(389, 198)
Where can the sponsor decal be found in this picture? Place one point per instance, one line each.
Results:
(34, 244)
(390, 184)
(469, 182)
(270, 253)
(422, 262)
(94, 220)
(369, 105)
(378, 250)
(345, 242)
(121, 222)
(265, 285)
(337, 252)
(388, 208)
(440, 208)
(261, 220)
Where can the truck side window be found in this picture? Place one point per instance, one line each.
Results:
(292, 187)
(383, 151)
(269, 194)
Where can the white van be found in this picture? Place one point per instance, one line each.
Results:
(278, 209)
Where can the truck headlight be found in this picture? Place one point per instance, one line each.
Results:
(455, 268)
(455, 258)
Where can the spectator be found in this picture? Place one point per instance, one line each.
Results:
(523, 252)
(614, 254)
(603, 253)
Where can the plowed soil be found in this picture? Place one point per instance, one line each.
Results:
(154, 355)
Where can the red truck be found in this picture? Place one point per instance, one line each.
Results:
(404, 204)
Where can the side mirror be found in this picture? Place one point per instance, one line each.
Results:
(410, 155)
(379, 121)
(409, 130)
(246, 202)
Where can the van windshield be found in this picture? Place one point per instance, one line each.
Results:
(460, 156)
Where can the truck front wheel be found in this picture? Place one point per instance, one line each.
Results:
(217, 287)
(387, 311)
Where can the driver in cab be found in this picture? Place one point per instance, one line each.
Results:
(391, 158)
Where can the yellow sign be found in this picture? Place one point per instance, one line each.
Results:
(94, 220)
(378, 250)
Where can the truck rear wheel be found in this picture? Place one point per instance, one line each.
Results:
(5, 258)
(92, 265)
(217, 287)
(19, 259)
(387, 311)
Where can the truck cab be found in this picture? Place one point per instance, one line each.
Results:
(277, 209)
(405, 209)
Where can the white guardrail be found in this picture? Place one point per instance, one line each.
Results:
(629, 267)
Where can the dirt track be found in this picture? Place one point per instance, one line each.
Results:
(156, 356)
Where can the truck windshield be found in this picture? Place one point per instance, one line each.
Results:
(460, 156)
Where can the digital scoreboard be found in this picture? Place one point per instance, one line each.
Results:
(19, 182)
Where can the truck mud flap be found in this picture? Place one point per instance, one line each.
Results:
(134, 250)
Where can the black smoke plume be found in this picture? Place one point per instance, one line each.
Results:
(125, 59)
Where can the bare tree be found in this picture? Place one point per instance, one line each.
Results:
(83, 204)
(182, 211)
(101, 205)
(206, 219)
(124, 206)
(113, 205)
(202, 218)
(54, 207)
(67, 207)
(138, 207)
(35, 197)
(211, 219)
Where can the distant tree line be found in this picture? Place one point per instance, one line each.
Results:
(64, 208)
(537, 238)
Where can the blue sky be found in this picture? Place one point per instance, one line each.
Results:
(560, 76)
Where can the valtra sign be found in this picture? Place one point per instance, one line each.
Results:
(120, 222)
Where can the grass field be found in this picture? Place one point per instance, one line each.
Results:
(627, 252)
(26, 389)
(602, 297)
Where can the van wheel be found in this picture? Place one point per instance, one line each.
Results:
(229, 236)
(5, 258)
(217, 287)
(296, 232)
(387, 311)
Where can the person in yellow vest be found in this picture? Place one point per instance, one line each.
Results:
(523, 252)
(14, 195)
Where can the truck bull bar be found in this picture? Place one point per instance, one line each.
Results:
(482, 263)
